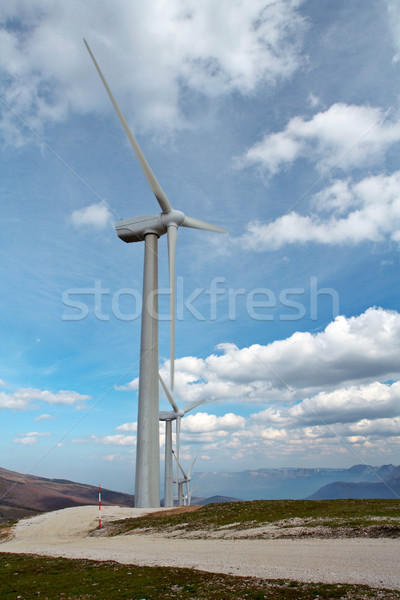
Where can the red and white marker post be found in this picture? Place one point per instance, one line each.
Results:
(99, 506)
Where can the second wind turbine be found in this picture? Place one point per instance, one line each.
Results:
(149, 228)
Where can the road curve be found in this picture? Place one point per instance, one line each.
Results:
(65, 533)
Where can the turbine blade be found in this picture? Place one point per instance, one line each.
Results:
(178, 465)
(167, 393)
(191, 467)
(172, 232)
(197, 224)
(192, 405)
(151, 178)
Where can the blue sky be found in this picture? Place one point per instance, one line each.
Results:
(279, 121)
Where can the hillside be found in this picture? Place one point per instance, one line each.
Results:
(25, 495)
(387, 487)
(212, 500)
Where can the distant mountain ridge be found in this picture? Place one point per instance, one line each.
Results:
(291, 483)
(26, 495)
(213, 500)
(388, 487)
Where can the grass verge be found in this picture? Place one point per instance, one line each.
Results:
(33, 577)
(355, 515)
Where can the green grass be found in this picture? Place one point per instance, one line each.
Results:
(33, 577)
(245, 515)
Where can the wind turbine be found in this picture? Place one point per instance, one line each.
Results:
(149, 228)
(185, 480)
(168, 416)
(187, 500)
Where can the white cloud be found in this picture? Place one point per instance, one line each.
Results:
(343, 136)
(209, 48)
(350, 351)
(22, 398)
(114, 440)
(131, 386)
(324, 393)
(366, 211)
(2, 383)
(30, 438)
(44, 417)
(127, 427)
(344, 405)
(96, 215)
(112, 457)
(205, 428)
(380, 428)
(204, 422)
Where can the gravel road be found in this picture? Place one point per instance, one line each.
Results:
(374, 562)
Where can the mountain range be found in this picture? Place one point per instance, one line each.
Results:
(297, 483)
(25, 495)
(387, 487)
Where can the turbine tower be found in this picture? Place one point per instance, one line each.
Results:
(147, 229)
(168, 416)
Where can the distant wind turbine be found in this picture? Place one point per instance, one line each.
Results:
(149, 228)
(187, 500)
(185, 480)
(168, 416)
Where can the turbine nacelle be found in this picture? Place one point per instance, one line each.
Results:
(136, 228)
(170, 415)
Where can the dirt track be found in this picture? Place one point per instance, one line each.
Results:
(65, 533)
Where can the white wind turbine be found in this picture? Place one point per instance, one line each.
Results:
(185, 480)
(149, 228)
(187, 500)
(168, 416)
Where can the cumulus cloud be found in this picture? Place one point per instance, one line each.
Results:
(96, 215)
(332, 391)
(29, 439)
(44, 417)
(112, 440)
(350, 351)
(345, 213)
(22, 398)
(130, 386)
(205, 428)
(344, 136)
(344, 405)
(204, 422)
(208, 48)
(127, 427)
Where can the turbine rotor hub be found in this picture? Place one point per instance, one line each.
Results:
(172, 217)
